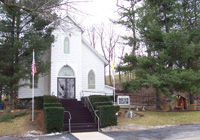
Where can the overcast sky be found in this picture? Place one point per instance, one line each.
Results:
(97, 11)
(100, 12)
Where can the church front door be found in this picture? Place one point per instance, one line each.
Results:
(66, 88)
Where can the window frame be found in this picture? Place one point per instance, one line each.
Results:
(93, 85)
(66, 51)
(65, 66)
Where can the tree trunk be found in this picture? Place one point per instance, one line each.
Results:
(133, 28)
(12, 100)
(158, 105)
(1, 95)
(171, 91)
(13, 97)
(191, 98)
(13, 59)
(120, 78)
(110, 74)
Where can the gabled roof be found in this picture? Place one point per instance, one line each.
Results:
(178, 95)
(84, 41)
(74, 21)
(94, 51)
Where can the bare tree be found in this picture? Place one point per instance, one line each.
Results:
(47, 9)
(108, 41)
(120, 57)
(92, 35)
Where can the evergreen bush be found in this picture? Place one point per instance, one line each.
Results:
(99, 98)
(98, 104)
(51, 99)
(54, 117)
(39, 102)
(52, 105)
(108, 115)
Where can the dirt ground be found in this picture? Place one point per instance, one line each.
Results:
(21, 125)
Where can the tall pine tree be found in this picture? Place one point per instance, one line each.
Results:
(21, 31)
(169, 30)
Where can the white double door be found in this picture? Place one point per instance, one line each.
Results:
(66, 88)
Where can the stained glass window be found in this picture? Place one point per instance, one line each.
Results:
(66, 45)
(66, 71)
(91, 80)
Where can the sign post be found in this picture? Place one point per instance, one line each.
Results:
(123, 100)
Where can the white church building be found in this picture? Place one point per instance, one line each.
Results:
(77, 69)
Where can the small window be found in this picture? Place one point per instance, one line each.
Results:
(66, 71)
(91, 80)
(66, 45)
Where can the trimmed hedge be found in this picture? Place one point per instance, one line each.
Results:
(99, 98)
(108, 115)
(51, 99)
(39, 102)
(25, 103)
(54, 117)
(52, 105)
(98, 104)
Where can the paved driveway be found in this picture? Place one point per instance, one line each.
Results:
(183, 132)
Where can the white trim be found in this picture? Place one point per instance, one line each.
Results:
(94, 51)
(109, 87)
(66, 76)
(63, 67)
(93, 91)
(74, 21)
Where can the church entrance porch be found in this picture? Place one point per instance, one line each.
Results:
(66, 88)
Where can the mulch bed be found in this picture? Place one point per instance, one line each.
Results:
(38, 120)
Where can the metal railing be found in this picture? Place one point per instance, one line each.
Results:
(94, 111)
(85, 93)
(69, 120)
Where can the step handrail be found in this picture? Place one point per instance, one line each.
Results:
(96, 116)
(69, 120)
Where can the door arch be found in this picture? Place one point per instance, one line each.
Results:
(66, 84)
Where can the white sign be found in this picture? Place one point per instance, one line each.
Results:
(123, 100)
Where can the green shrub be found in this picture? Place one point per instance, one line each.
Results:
(51, 99)
(25, 103)
(54, 117)
(52, 105)
(108, 115)
(39, 102)
(98, 104)
(99, 98)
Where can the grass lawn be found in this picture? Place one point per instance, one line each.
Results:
(17, 126)
(19, 123)
(153, 118)
(6, 117)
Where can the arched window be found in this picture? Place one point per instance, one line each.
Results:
(66, 71)
(91, 80)
(66, 45)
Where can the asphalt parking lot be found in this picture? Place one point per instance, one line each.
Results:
(181, 132)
